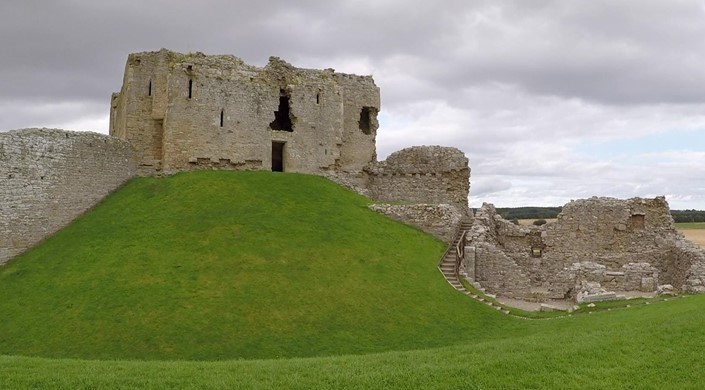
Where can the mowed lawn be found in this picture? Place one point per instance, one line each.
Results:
(657, 346)
(220, 265)
(263, 280)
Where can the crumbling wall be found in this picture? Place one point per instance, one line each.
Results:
(50, 177)
(422, 174)
(440, 220)
(622, 245)
(193, 111)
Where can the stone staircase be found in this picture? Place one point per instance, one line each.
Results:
(449, 268)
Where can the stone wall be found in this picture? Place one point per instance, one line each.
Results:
(50, 177)
(621, 245)
(193, 111)
(422, 174)
(440, 220)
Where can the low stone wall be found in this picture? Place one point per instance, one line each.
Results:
(439, 220)
(422, 174)
(49, 177)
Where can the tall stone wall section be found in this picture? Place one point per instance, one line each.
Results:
(611, 244)
(194, 111)
(422, 174)
(50, 177)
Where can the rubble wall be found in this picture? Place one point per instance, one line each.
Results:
(623, 245)
(422, 174)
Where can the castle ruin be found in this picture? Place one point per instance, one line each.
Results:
(179, 112)
(189, 111)
(597, 249)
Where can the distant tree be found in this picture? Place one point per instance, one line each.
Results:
(540, 222)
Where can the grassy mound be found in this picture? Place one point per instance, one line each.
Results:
(219, 265)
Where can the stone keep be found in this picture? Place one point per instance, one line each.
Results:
(189, 111)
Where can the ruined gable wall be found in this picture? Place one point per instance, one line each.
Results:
(50, 177)
(422, 174)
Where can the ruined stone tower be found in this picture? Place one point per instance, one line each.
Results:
(185, 111)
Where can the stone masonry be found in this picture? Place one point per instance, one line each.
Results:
(595, 247)
(193, 111)
(50, 177)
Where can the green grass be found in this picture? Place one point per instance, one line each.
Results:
(690, 225)
(261, 280)
(656, 346)
(221, 265)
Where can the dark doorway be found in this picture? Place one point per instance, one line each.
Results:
(278, 156)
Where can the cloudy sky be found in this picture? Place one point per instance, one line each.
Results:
(550, 100)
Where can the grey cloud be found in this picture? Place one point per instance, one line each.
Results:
(495, 78)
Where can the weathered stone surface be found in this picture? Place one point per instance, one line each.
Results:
(624, 245)
(422, 174)
(194, 111)
(437, 219)
(593, 292)
(50, 177)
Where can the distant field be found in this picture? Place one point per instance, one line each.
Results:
(694, 231)
(531, 221)
(690, 225)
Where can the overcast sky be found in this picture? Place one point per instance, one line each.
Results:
(550, 100)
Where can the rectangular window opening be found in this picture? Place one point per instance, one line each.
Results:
(365, 122)
(149, 89)
(221, 118)
(190, 88)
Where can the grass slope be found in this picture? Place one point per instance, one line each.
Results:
(656, 346)
(220, 265)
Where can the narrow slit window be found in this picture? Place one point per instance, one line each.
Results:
(222, 116)
(318, 98)
(190, 88)
(149, 89)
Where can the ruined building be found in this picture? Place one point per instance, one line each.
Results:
(178, 112)
(188, 111)
(597, 249)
